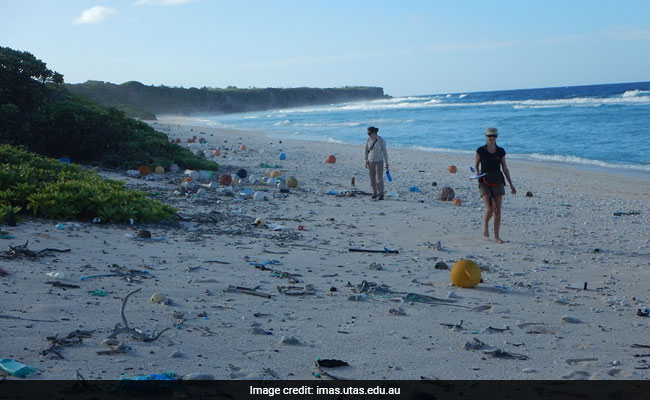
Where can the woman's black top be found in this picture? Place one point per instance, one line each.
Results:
(490, 161)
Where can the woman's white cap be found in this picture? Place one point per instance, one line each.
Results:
(491, 131)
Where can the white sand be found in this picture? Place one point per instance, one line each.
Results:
(550, 245)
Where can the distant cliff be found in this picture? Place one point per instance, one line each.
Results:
(145, 102)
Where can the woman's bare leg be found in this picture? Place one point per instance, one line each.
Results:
(487, 199)
(497, 218)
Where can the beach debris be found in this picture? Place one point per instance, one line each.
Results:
(452, 169)
(643, 313)
(122, 272)
(159, 170)
(282, 156)
(99, 293)
(3, 272)
(447, 194)
(360, 297)
(56, 275)
(465, 273)
(476, 344)
(297, 290)
(385, 250)
(74, 337)
(245, 290)
(4, 316)
(457, 202)
(536, 328)
(199, 377)
(225, 180)
(441, 265)
(137, 333)
(434, 183)
(256, 330)
(455, 327)
(376, 266)
(292, 182)
(331, 363)
(570, 320)
(421, 298)
(330, 159)
(290, 341)
(529, 194)
(143, 234)
(177, 354)
(259, 221)
(353, 181)
(491, 329)
(499, 353)
(60, 226)
(178, 314)
(242, 173)
(62, 285)
(166, 376)
(577, 361)
(414, 189)
(15, 368)
(22, 251)
(398, 312)
(640, 346)
(144, 170)
(158, 298)
(622, 213)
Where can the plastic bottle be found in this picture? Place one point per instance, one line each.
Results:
(390, 178)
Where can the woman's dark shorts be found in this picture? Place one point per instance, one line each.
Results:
(492, 191)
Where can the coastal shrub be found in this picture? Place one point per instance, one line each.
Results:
(48, 188)
(39, 113)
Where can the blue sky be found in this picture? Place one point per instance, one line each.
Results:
(406, 47)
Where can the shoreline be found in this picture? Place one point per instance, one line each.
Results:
(190, 121)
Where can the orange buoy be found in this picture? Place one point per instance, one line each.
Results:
(225, 179)
(217, 153)
(452, 169)
(465, 274)
(330, 159)
(144, 170)
(188, 179)
(242, 147)
(457, 202)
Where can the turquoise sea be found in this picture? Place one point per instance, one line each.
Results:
(596, 125)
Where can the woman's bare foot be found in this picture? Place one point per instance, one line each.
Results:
(486, 232)
(498, 240)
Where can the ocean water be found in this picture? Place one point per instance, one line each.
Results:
(596, 125)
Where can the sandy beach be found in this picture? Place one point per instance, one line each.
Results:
(389, 316)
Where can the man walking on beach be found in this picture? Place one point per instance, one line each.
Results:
(376, 155)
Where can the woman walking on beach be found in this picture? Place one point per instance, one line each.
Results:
(376, 155)
(492, 186)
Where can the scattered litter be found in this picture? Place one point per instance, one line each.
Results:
(643, 313)
(4, 272)
(74, 337)
(397, 311)
(376, 266)
(490, 329)
(62, 285)
(22, 251)
(577, 361)
(475, 345)
(441, 265)
(570, 320)
(13, 367)
(385, 250)
(331, 363)
(3, 316)
(621, 213)
(100, 293)
(290, 341)
(498, 353)
(297, 290)
(245, 290)
(167, 376)
(361, 297)
(455, 327)
(158, 298)
(7, 236)
(134, 332)
(122, 272)
(56, 275)
(421, 298)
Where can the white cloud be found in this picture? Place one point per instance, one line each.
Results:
(94, 15)
(625, 33)
(162, 2)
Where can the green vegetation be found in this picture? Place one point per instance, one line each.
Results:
(38, 112)
(49, 188)
(144, 102)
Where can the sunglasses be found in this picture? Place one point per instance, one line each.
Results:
(493, 136)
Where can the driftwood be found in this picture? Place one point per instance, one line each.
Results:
(62, 285)
(137, 333)
(2, 316)
(22, 251)
(74, 337)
